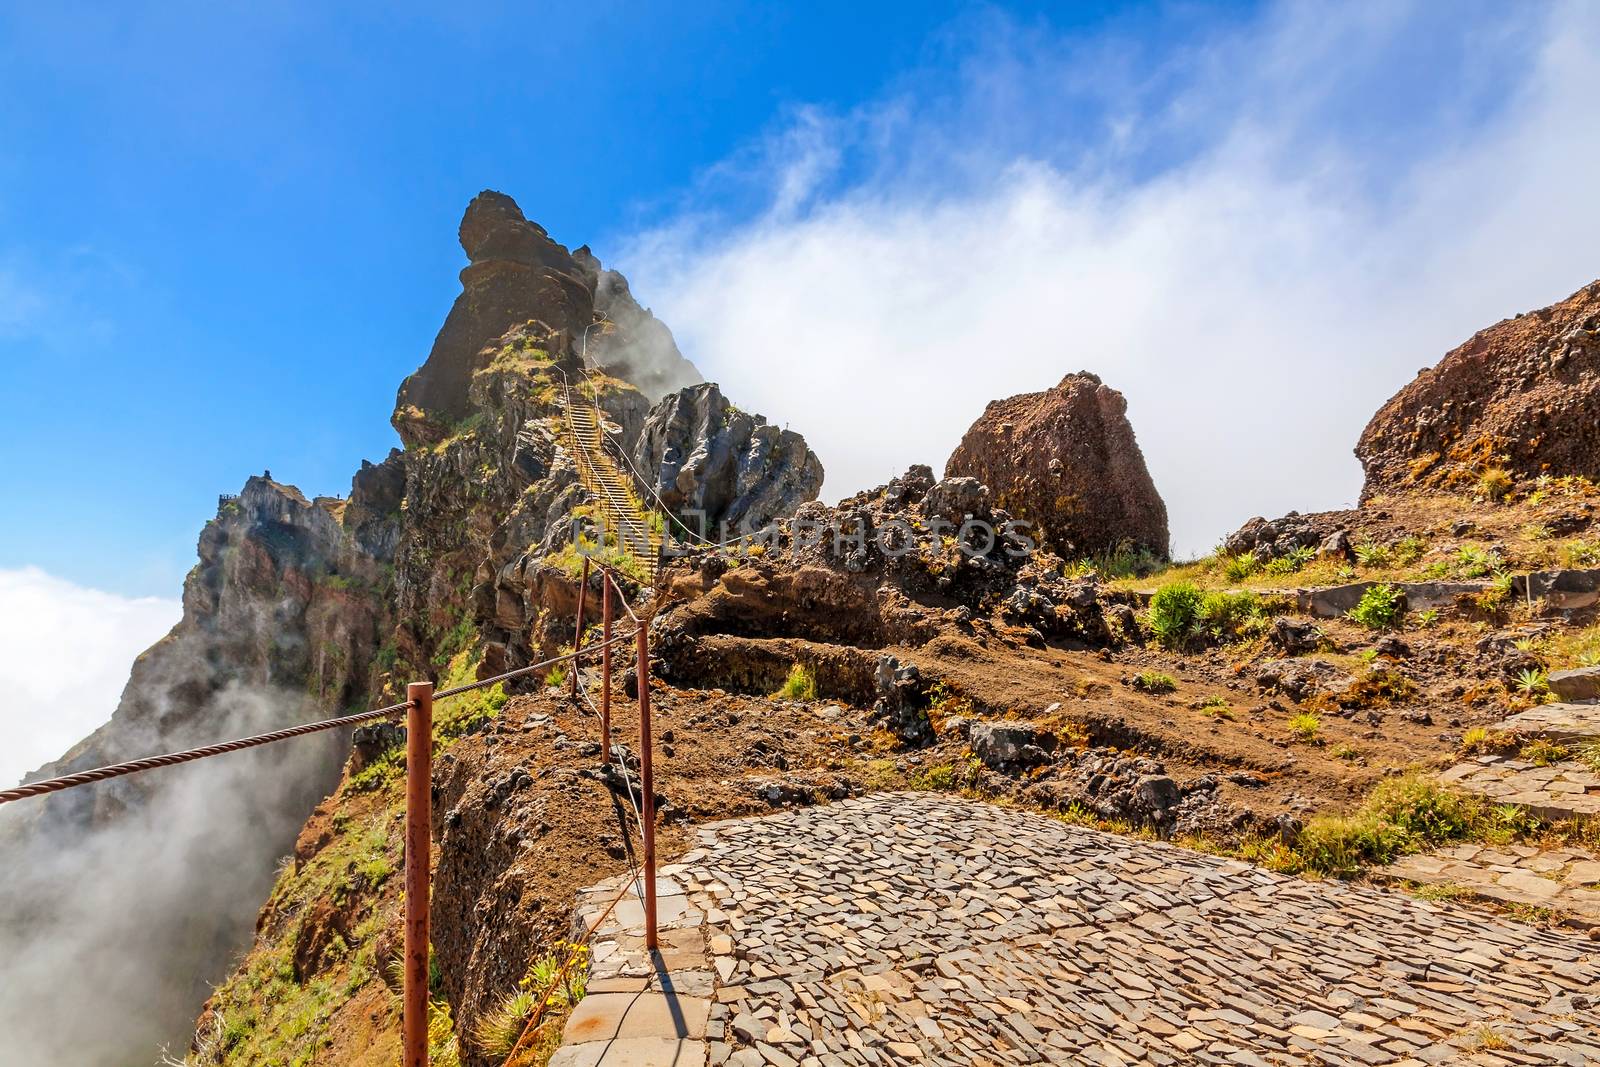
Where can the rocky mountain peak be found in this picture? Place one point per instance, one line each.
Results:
(517, 274)
(493, 227)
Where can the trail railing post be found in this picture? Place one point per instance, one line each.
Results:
(605, 668)
(577, 640)
(647, 787)
(419, 846)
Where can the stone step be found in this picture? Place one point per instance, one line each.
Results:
(1565, 790)
(1568, 724)
(1565, 881)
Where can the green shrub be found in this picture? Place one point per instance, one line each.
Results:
(1154, 682)
(1126, 560)
(1292, 561)
(1533, 682)
(1369, 554)
(1401, 815)
(1409, 549)
(1173, 612)
(499, 1028)
(1305, 725)
(800, 685)
(1380, 608)
(1226, 615)
(1542, 753)
(1238, 568)
(1580, 553)
(1474, 562)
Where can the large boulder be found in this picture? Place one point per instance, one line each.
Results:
(1523, 394)
(1066, 460)
(518, 273)
(714, 464)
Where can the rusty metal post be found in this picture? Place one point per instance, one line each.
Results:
(605, 668)
(647, 787)
(577, 640)
(419, 846)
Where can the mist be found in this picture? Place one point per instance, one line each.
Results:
(68, 649)
(1258, 235)
(102, 930)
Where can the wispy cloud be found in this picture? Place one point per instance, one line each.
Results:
(1257, 235)
(68, 650)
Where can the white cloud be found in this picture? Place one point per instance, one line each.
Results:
(68, 650)
(1320, 221)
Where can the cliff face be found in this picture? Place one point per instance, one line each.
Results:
(518, 273)
(718, 467)
(1522, 395)
(284, 616)
(451, 559)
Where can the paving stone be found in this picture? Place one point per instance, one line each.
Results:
(922, 928)
(1564, 790)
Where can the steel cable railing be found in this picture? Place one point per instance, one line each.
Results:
(172, 759)
(418, 709)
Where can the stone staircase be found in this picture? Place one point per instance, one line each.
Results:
(1562, 883)
(605, 481)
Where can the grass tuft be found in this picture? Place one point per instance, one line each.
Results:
(800, 685)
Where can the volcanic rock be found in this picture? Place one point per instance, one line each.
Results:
(1066, 460)
(518, 273)
(717, 465)
(1523, 394)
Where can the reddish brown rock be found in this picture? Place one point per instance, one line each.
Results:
(1066, 459)
(518, 273)
(1523, 394)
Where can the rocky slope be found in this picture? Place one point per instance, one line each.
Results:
(720, 469)
(452, 558)
(1067, 460)
(1522, 396)
(284, 616)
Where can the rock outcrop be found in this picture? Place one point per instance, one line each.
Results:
(517, 273)
(716, 465)
(1523, 395)
(450, 558)
(1066, 459)
(147, 885)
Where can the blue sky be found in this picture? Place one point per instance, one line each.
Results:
(227, 231)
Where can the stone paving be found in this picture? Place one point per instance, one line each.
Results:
(1564, 723)
(641, 1009)
(926, 929)
(1564, 881)
(1563, 790)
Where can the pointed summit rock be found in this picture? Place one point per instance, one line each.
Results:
(1066, 459)
(517, 273)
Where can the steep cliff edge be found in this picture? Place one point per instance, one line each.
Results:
(454, 558)
(131, 895)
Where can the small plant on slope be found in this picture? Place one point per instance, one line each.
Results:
(1154, 682)
(1305, 726)
(1380, 608)
(1173, 612)
(800, 685)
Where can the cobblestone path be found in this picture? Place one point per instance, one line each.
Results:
(920, 928)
